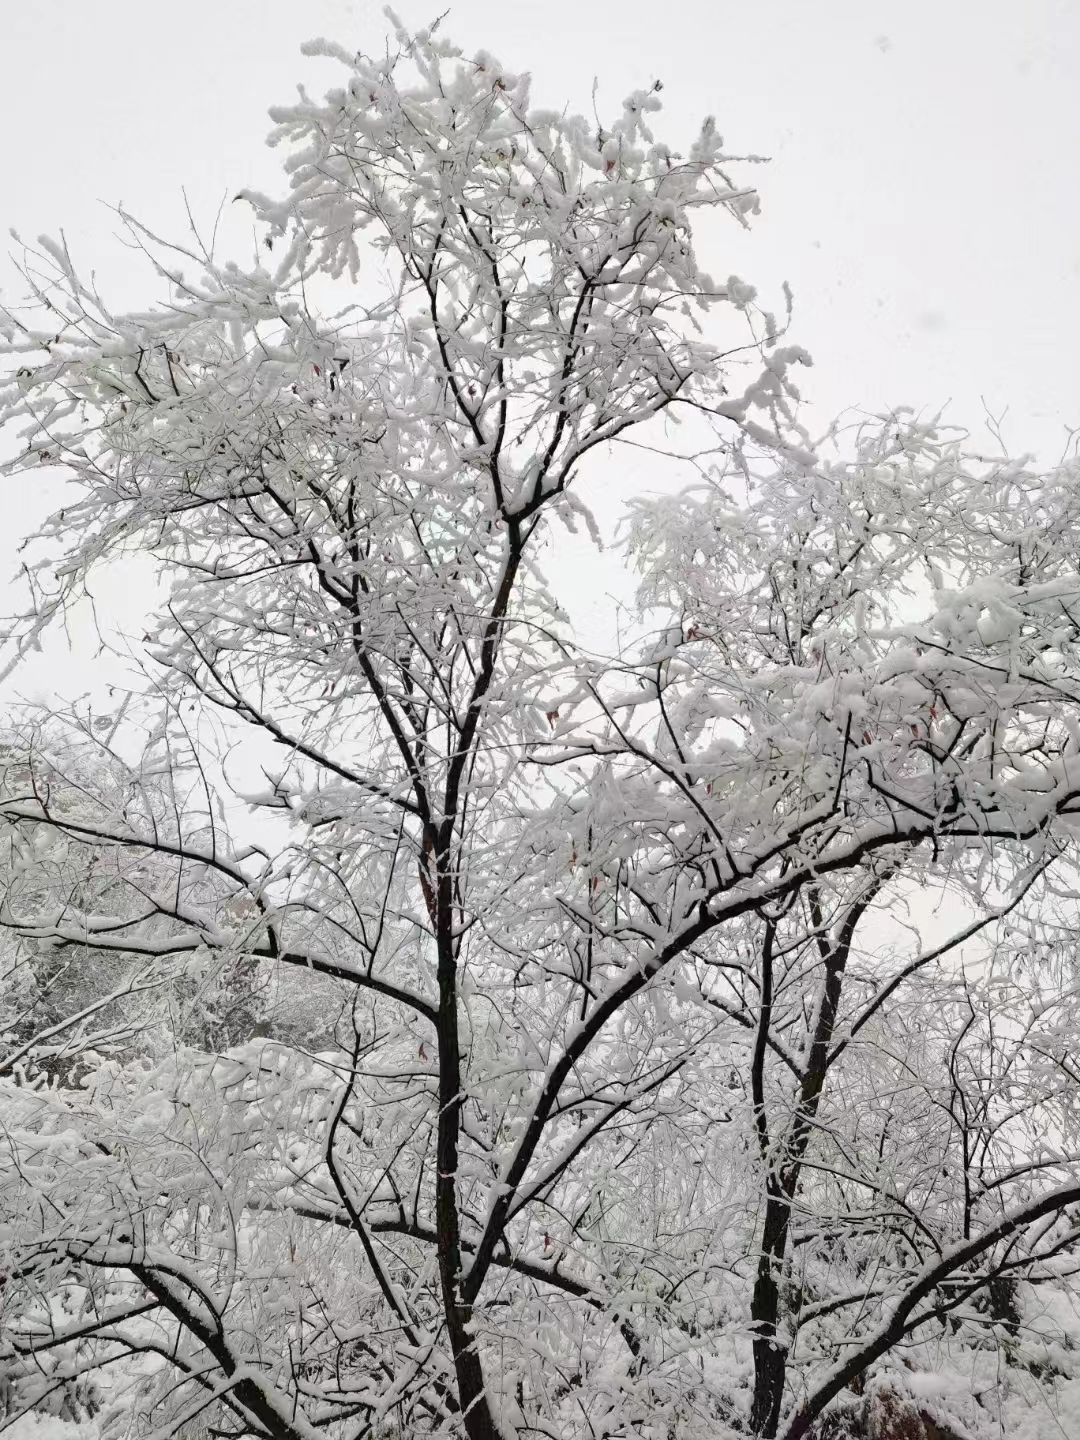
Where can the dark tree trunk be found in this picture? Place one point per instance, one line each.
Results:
(770, 1356)
(472, 1393)
(784, 1166)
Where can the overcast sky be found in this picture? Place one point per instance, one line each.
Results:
(921, 197)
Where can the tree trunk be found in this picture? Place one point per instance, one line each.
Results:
(770, 1357)
(472, 1393)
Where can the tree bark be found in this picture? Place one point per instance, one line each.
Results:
(472, 1393)
(785, 1168)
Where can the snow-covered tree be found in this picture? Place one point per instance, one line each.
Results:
(598, 1082)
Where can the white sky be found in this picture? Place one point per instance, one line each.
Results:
(921, 200)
